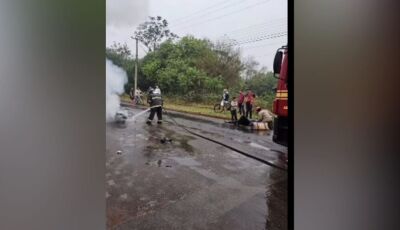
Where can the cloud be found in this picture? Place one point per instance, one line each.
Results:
(126, 13)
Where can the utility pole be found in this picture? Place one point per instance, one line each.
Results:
(136, 67)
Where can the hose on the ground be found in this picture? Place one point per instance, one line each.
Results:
(225, 145)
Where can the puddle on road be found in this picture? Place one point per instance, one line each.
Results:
(252, 144)
(276, 200)
(177, 140)
(117, 125)
(166, 155)
(141, 136)
(256, 132)
(259, 146)
(220, 124)
(160, 163)
(186, 161)
(155, 148)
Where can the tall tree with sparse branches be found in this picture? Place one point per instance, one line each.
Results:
(151, 33)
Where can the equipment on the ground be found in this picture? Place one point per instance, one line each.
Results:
(165, 140)
(280, 106)
(120, 117)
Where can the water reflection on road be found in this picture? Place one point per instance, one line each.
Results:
(190, 183)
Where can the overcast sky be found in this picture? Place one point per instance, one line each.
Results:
(242, 20)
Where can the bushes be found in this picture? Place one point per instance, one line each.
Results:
(193, 70)
(174, 68)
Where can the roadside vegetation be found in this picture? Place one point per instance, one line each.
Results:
(187, 107)
(190, 71)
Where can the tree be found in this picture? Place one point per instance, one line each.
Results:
(262, 84)
(121, 49)
(151, 33)
(228, 63)
(250, 68)
(175, 68)
(120, 55)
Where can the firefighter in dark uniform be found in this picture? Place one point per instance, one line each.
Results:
(155, 101)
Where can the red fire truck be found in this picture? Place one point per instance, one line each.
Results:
(280, 106)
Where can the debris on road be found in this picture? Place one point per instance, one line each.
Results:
(123, 196)
(121, 116)
(111, 182)
(165, 140)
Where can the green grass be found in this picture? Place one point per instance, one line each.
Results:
(125, 97)
(189, 107)
(198, 110)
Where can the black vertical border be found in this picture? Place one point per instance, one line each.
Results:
(291, 114)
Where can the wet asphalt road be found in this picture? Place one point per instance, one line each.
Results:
(192, 183)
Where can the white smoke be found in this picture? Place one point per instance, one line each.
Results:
(116, 78)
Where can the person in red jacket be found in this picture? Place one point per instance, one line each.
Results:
(240, 103)
(249, 100)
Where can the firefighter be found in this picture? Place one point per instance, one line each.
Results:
(155, 101)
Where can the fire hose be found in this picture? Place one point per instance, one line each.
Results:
(212, 140)
(224, 145)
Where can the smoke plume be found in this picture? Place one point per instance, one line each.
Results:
(116, 78)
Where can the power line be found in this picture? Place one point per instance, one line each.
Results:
(253, 30)
(261, 38)
(200, 11)
(254, 38)
(256, 26)
(221, 16)
(263, 35)
(271, 22)
(260, 46)
(184, 23)
(258, 33)
(230, 13)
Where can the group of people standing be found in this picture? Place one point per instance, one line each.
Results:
(244, 105)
